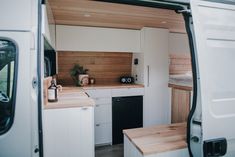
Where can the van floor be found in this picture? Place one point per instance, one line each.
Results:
(109, 151)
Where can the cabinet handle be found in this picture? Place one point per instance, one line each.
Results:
(97, 105)
(148, 71)
(97, 125)
(118, 100)
(84, 108)
(87, 94)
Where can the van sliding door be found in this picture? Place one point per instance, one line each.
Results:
(214, 26)
(18, 99)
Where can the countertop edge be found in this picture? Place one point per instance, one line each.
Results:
(112, 86)
(87, 102)
(179, 86)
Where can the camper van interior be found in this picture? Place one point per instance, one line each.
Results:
(106, 78)
(118, 41)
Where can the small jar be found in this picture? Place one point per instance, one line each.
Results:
(92, 80)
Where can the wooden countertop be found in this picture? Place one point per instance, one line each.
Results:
(179, 86)
(183, 82)
(158, 139)
(76, 97)
(110, 86)
(71, 97)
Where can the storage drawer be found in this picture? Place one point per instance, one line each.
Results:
(99, 93)
(103, 134)
(100, 101)
(127, 92)
(103, 113)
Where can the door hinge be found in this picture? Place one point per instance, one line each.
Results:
(215, 147)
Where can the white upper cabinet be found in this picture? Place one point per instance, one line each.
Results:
(77, 38)
(16, 15)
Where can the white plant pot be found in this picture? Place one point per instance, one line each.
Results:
(83, 79)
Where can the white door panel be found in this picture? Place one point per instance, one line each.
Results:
(16, 15)
(214, 25)
(215, 39)
(21, 131)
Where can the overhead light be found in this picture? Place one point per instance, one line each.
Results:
(87, 15)
(163, 22)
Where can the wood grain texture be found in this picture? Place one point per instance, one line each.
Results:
(180, 64)
(112, 86)
(180, 105)
(71, 97)
(186, 88)
(103, 14)
(105, 67)
(158, 139)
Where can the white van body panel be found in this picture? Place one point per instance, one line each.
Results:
(16, 14)
(214, 25)
(18, 140)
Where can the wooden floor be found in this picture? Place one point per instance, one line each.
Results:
(158, 139)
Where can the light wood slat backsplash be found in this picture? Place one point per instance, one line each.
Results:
(105, 67)
(180, 64)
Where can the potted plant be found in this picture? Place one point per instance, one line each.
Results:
(79, 75)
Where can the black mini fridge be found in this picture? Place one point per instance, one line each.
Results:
(127, 113)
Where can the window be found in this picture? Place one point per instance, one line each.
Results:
(8, 56)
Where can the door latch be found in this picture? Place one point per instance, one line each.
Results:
(215, 147)
(36, 149)
(34, 82)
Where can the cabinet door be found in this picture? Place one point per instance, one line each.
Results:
(69, 132)
(56, 141)
(99, 93)
(103, 133)
(103, 113)
(86, 132)
(156, 76)
(78, 38)
(127, 92)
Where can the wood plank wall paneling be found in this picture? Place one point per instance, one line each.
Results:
(179, 64)
(180, 105)
(105, 67)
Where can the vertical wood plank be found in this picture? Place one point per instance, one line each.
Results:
(180, 105)
(179, 64)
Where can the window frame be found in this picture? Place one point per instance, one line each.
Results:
(14, 86)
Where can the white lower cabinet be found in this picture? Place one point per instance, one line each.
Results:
(103, 110)
(103, 115)
(69, 132)
(103, 133)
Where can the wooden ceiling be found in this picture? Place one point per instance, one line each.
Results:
(102, 14)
